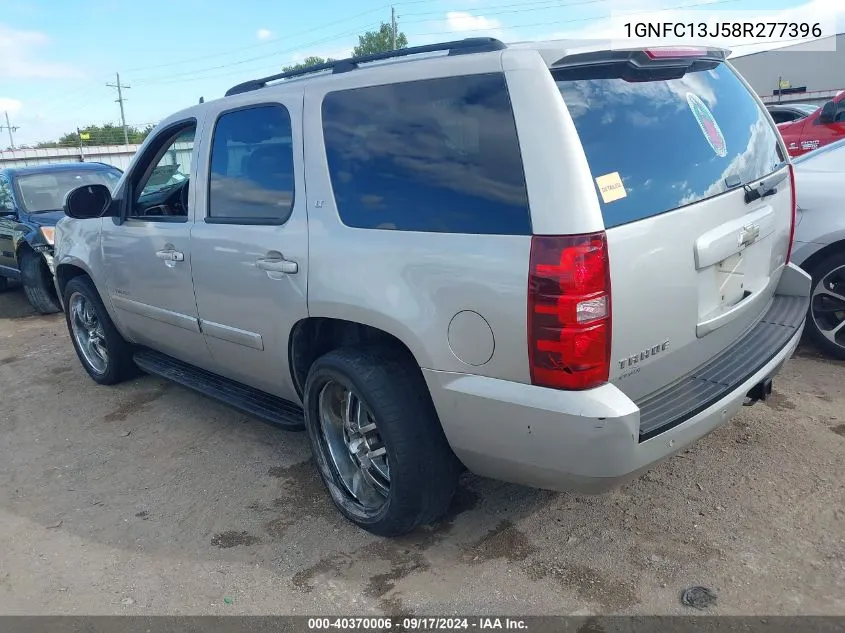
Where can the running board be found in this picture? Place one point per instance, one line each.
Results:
(266, 407)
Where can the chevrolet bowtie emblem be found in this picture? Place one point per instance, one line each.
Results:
(748, 234)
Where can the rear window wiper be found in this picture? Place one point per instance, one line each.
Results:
(764, 188)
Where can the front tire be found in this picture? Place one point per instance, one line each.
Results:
(826, 315)
(4, 284)
(38, 283)
(377, 440)
(101, 349)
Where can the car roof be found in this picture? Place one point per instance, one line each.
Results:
(50, 167)
(551, 50)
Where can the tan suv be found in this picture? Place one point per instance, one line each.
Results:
(551, 263)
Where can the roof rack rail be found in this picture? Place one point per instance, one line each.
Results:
(457, 47)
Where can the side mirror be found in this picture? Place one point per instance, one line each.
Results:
(88, 201)
(828, 113)
(6, 212)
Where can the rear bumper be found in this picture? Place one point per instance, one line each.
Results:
(593, 440)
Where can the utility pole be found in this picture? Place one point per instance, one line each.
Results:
(120, 99)
(79, 138)
(10, 129)
(393, 28)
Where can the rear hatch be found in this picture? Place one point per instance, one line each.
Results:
(681, 154)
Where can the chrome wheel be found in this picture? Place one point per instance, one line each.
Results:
(355, 448)
(827, 306)
(88, 333)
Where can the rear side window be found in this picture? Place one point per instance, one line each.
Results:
(438, 155)
(669, 143)
(251, 180)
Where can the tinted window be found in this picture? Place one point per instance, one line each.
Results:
(252, 166)
(438, 155)
(780, 116)
(5, 195)
(46, 191)
(671, 142)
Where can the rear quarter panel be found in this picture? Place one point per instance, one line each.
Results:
(413, 284)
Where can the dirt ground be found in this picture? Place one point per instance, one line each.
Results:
(149, 499)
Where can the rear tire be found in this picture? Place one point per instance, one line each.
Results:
(4, 284)
(108, 360)
(38, 283)
(418, 474)
(820, 319)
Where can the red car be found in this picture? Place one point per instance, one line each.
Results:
(825, 125)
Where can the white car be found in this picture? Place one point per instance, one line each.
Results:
(820, 242)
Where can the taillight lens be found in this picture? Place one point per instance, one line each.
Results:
(794, 212)
(569, 311)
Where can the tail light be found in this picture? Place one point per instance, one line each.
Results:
(794, 212)
(674, 52)
(569, 312)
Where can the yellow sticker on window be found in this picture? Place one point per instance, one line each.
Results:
(611, 187)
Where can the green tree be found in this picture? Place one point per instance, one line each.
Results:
(311, 60)
(379, 41)
(107, 134)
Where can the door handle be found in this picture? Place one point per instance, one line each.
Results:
(277, 265)
(171, 255)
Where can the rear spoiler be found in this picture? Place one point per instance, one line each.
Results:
(656, 62)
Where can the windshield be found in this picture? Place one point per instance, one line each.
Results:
(46, 191)
(806, 107)
(668, 143)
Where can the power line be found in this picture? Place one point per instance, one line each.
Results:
(120, 99)
(268, 42)
(547, 23)
(533, 5)
(192, 73)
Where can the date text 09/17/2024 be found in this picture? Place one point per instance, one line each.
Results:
(417, 623)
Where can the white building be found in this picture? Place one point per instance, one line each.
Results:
(809, 75)
(117, 155)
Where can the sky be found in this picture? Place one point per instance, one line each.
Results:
(56, 56)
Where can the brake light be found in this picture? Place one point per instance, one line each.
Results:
(674, 53)
(794, 212)
(569, 311)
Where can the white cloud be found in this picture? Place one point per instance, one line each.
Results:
(12, 106)
(264, 34)
(18, 58)
(463, 21)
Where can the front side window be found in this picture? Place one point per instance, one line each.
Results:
(252, 174)
(6, 203)
(174, 165)
(46, 191)
(162, 192)
(437, 155)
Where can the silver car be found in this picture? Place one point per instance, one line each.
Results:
(553, 264)
(820, 242)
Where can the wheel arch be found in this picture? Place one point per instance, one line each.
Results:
(312, 337)
(818, 256)
(67, 271)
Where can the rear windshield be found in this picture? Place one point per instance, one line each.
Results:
(654, 146)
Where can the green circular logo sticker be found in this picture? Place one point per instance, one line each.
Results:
(707, 124)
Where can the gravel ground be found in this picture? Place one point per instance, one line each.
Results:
(148, 499)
